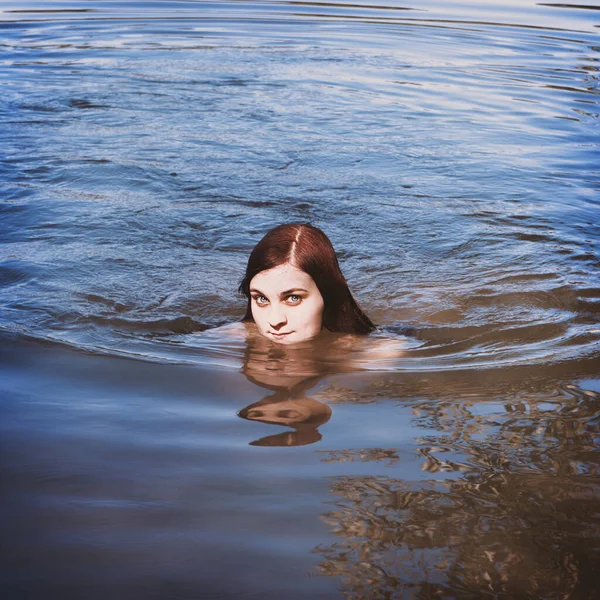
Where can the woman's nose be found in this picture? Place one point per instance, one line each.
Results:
(277, 318)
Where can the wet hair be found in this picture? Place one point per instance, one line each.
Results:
(307, 248)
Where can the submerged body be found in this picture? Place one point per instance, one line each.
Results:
(272, 364)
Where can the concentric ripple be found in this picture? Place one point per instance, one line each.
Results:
(451, 152)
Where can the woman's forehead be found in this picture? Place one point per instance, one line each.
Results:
(282, 278)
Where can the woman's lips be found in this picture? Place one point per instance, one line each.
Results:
(280, 335)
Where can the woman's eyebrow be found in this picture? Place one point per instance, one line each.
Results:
(292, 291)
(286, 293)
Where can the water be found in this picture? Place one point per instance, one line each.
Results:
(451, 153)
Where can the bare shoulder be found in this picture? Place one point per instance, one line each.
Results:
(375, 346)
(385, 345)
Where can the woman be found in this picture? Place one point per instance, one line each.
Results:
(295, 287)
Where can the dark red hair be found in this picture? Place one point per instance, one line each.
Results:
(307, 248)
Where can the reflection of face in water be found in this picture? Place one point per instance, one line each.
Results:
(288, 372)
(303, 414)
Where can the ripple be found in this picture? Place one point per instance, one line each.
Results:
(445, 150)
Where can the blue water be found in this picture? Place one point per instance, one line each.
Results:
(450, 151)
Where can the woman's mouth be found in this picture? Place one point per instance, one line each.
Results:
(279, 335)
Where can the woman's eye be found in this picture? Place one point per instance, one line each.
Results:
(260, 300)
(293, 299)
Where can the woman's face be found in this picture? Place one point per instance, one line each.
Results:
(286, 305)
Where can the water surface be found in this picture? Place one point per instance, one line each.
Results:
(449, 150)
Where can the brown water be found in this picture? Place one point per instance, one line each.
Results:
(451, 153)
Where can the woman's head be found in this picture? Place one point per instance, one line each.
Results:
(295, 287)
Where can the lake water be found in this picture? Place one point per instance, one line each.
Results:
(451, 151)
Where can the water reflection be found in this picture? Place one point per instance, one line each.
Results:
(510, 509)
(303, 414)
(507, 505)
(289, 372)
